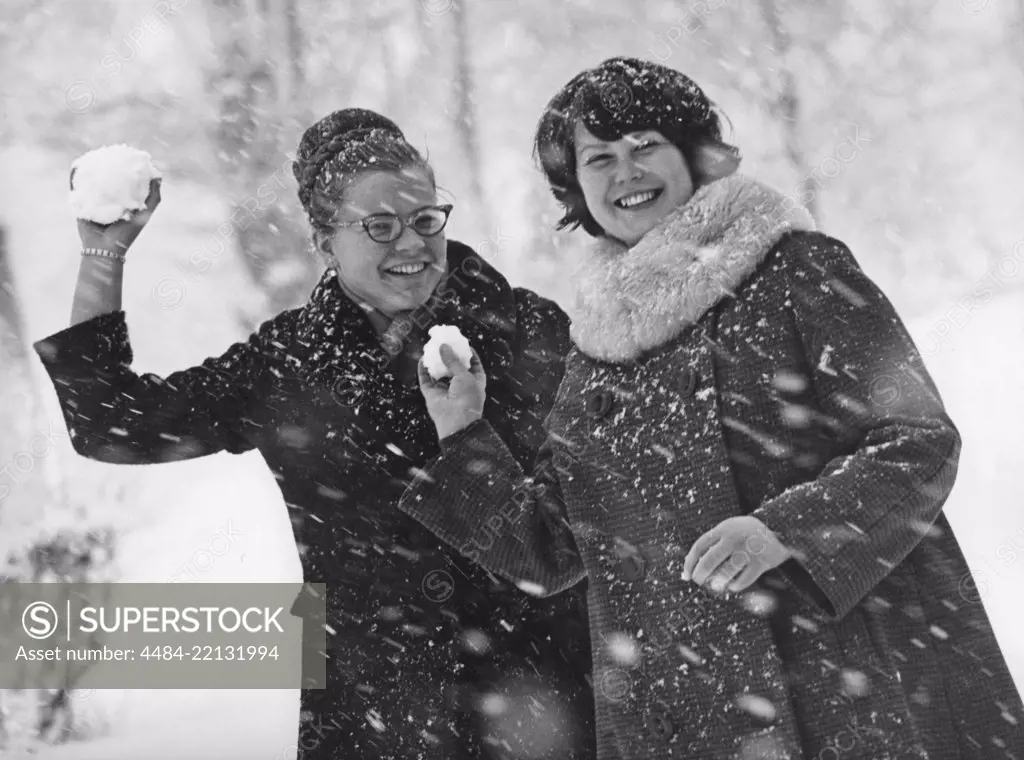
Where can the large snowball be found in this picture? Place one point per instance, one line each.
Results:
(449, 334)
(111, 182)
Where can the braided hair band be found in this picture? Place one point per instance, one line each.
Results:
(342, 146)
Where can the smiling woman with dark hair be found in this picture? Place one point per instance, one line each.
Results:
(770, 572)
(428, 656)
(598, 108)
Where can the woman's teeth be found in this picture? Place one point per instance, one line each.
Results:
(636, 199)
(407, 268)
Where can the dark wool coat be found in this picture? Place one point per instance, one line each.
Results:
(316, 392)
(734, 362)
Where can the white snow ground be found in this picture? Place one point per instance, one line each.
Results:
(174, 511)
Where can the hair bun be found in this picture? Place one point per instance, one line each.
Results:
(341, 124)
(329, 136)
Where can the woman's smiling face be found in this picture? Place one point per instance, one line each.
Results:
(391, 277)
(630, 184)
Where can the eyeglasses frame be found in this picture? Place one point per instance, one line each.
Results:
(403, 223)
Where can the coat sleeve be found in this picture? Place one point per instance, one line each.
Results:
(477, 496)
(115, 415)
(867, 510)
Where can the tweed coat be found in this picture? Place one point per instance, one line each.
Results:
(417, 635)
(736, 362)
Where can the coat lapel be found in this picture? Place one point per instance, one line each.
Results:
(632, 300)
(336, 341)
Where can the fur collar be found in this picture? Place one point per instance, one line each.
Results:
(632, 300)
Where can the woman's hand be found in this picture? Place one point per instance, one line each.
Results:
(733, 555)
(454, 403)
(119, 236)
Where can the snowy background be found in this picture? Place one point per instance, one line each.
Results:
(898, 122)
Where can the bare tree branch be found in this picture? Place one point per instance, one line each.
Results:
(465, 113)
(786, 107)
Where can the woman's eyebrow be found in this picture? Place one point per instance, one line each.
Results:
(591, 145)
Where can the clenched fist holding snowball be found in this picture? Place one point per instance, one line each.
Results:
(452, 380)
(114, 191)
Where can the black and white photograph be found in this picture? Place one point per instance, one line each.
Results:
(547, 379)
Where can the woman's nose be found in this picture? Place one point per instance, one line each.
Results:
(409, 241)
(628, 170)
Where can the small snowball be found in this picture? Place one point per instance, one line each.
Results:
(432, 350)
(111, 182)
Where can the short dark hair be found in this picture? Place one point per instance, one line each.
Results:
(620, 96)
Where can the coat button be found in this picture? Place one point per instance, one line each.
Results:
(599, 404)
(688, 382)
(659, 724)
(633, 567)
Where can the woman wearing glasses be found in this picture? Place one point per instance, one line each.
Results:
(428, 656)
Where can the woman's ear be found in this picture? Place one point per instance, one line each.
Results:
(322, 244)
(714, 162)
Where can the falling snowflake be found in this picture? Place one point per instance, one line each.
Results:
(757, 706)
(623, 649)
(493, 705)
(760, 603)
(533, 589)
(475, 641)
(825, 359)
(854, 683)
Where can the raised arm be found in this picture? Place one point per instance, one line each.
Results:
(866, 511)
(101, 277)
(115, 415)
